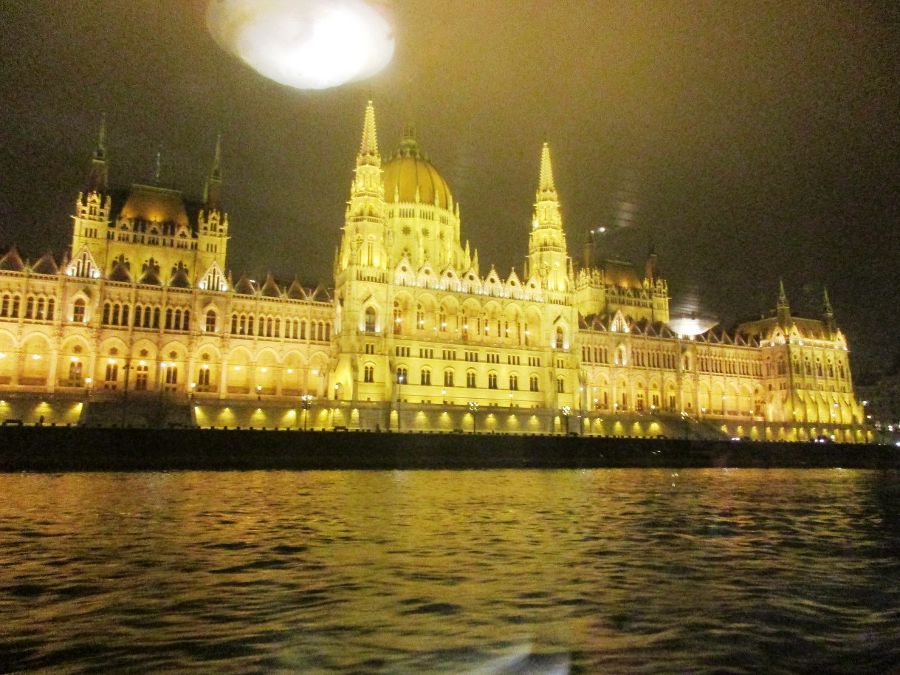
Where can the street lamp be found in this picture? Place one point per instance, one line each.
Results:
(307, 401)
(566, 410)
(473, 408)
(401, 378)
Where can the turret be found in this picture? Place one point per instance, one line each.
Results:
(783, 309)
(212, 225)
(547, 254)
(827, 313)
(91, 217)
(363, 239)
(97, 178)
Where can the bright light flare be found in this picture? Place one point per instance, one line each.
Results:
(306, 44)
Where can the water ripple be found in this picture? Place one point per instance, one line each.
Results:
(736, 571)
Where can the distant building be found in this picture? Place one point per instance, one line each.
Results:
(413, 335)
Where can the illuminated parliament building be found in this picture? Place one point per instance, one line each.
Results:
(415, 334)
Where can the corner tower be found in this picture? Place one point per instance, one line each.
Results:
(91, 217)
(548, 258)
(363, 241)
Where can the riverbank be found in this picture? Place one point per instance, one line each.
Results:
(104, 449)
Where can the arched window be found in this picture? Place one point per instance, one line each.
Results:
(4, 306)
(559, 338)
(448, 378)
(169, 318)
(402, 375)
(470, 379)
(533, 383)
(234, 324)
(75, 373)
(514, 382)
(51, 306)
(420, 317)
(369, 373)
(210, 321)
(78, 308)
(106, 310)
(492, 380)
(125, 312)
(560, 385)
(141, 376)
(426, 376)
(156, 317)
(398, 318)
(370, 320)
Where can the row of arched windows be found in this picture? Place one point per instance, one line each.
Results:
(402, 377)
(725, 366)
(268, 326)
(145, 316)
(37, 307)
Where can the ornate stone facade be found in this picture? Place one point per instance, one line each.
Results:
(413, 334)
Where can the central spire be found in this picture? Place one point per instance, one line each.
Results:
(368, 147)
(546, 186)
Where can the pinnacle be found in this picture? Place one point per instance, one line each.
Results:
(369, 143)
(546, 183)
(100, 150)
(216, 173)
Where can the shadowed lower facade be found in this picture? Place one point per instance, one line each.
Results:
(414, 333)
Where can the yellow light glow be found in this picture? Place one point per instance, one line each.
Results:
(36, 357)
(306, 44)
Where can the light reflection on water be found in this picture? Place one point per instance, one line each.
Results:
(483, 571)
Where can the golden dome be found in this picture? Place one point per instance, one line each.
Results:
(408, 171)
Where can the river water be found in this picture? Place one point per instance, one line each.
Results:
(613, 571)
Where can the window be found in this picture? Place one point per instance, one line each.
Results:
(370, 348)
(398, 318)
(558, 343)
(78, 311)
(420, 317)
(514, 382)
(4, 306)
(369, 373)
(112, 376)
(492, 380)
(171, 376)
(560, 385)
(448, 378)
(210, 321)
(75, 374)
(402, 375)
(370, 320)
(470, 378)
(140, 380)
(426, 376)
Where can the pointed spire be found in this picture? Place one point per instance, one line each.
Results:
(97, 178)
(213, 192)
(216, 173)
(782, 296)
(827, 313)
(100, 150)
(546, 185)
(783, 309)
(369, 144)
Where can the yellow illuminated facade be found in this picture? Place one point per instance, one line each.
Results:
(413, 335)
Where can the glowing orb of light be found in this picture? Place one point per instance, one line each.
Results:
(306, 44)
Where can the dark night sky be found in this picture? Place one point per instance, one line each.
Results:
(759, 139)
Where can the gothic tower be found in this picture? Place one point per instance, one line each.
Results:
(548, 259)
